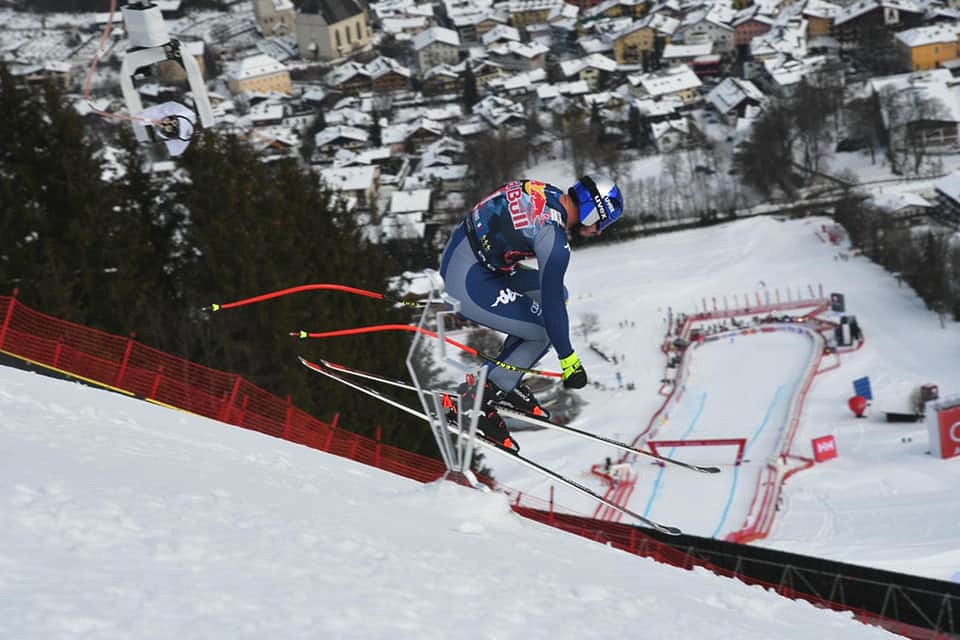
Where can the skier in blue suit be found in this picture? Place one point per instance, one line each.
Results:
(481, 267)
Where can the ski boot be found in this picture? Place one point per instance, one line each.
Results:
(522, 399)
(489, 425)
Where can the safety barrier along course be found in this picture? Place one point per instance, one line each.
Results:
(124, 365)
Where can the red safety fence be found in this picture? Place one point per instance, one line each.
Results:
(125, 365)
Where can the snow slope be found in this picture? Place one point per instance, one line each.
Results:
(127, 520)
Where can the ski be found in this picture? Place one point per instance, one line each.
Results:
(510, 412)
(334, 373)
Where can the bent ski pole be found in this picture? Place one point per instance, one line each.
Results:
(416, 304)
(406, 327)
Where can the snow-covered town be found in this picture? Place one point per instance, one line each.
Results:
(381, 100)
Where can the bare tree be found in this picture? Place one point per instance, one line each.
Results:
(909, 114)
(589, 322)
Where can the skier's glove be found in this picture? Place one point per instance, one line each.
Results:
(574, 375)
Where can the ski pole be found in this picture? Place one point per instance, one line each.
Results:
(406, 327)
(418, 304)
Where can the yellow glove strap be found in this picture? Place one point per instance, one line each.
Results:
(570, 361)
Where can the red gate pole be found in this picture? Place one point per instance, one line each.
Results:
(126, 360)
(8, 317)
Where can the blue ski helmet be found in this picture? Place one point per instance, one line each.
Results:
(599, 199)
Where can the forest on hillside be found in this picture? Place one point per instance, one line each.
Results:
(133, 254)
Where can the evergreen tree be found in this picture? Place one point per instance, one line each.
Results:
(258, 227)
(54, 202)
(471, 95)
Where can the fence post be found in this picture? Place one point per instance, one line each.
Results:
(288, 418)
(126, 360)
(58, 350)
(6, 319)
(333, 429)
(376, 451)
(228, 405)
(551, 504)
(156, 383)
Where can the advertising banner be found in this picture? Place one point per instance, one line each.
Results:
(948, 421)
(824, 448)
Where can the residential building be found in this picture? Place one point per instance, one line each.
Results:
(928, 47)
(701, 27)
(679, 81)
(357, 186)
(518, 56)
(258, 74)
(870, 23)
(819, 15)
(527, 12)
(918, 108)
(434, 46)
(275, 17)
(733, 96)
(749, 24)
(387, 75)
(330, 140)
(331, 29)
(642, 41)
(592, 69)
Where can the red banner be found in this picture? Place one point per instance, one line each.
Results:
(949, 420)
(824, 448)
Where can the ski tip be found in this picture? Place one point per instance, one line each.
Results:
(670, 531)
(710, 469)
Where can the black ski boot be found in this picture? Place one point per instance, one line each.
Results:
(522, 399)
(489, 425)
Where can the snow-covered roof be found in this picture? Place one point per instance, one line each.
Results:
(787, 71)
(731, 92)
(862, 7)
(383, 65)
(591, 61)
(821, 9)
(400, 24)
(496, 110)
(554, 89)
(949, 185)
(527, 80)
(330, 134)
(346, 157)
(254, 66)
(527, 50)
(894, 201)
(436, 34)
(345, 72)
(672, 80)
(409, 201)
(933, 87)
(500, 32)
(686, 51)
(348, 116)
(931, 34)
(349, 178)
